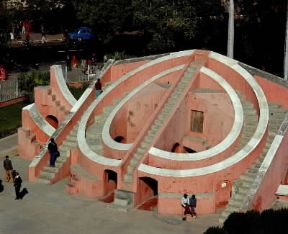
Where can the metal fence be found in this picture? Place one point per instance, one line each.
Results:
(9, 89)
(79, 73)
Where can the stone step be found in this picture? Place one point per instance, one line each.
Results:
(71, 138)
(148, 139)
(140, 151)
(99, 119)
(43, 181)
(130, 169)
(69, 144)
(63, 153)
(47, 175)
(97, 148)
(50, 169)
(134, 161)
(58, 164)
(121, 202)
(247, 178)
(235, 203)
(128, 178)
(61, 159)
(64, 148)
(144, 145)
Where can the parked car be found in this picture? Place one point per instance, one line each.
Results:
(83, 33)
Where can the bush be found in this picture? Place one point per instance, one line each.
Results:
(252, 222)
(29, 80)
(77, 92)
(215, 230)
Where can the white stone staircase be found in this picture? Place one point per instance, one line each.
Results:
(48, 173)
(146, 142)
(94, 131)
(244, 183)
(250, 123)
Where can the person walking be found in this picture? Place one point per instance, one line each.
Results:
(185, 205)
(193, 204)
(17, 185)
(7, 164)
(98, 87)
(53, 150)
(43, 33)
(1, 187)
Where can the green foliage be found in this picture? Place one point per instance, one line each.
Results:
(29, 80)
(117, 55)
(168, 22)
(77, 92)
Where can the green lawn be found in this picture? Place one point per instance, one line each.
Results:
(10, 118)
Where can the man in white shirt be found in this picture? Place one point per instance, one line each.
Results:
(185, 205)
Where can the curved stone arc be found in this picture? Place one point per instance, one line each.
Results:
(39, 120)
(223, 145)
(83, 145)
(106, 137)
(63, 86)
(37, 159)
(245, 151)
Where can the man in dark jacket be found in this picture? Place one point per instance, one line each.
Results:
(17, 185)
(7, 164)
(53, 149)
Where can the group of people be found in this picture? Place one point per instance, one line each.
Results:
(13, 176)
(189, 205)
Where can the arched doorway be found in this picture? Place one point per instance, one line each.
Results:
(147, 193)
(189, 150)
(110, 184)
(52, 120)
(176, 148)
(119, 139)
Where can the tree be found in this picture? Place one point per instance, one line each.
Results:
(106, 17)
(169, 23)
(230, 42)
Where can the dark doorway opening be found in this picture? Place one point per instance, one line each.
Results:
(176, 148)
(119, 139)
(147, 193)
(110, 184)
(52, 120)
(189, 150)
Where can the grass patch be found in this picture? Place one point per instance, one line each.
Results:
(10, 118)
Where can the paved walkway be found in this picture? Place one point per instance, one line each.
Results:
(49, 209)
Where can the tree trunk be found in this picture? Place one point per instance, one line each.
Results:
(230, 43)
(286, 48)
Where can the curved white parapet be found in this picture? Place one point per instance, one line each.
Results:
(223, 145)
(62, 85)
(245, 151)
(39, 120)
(106, 137)
(83, 145)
